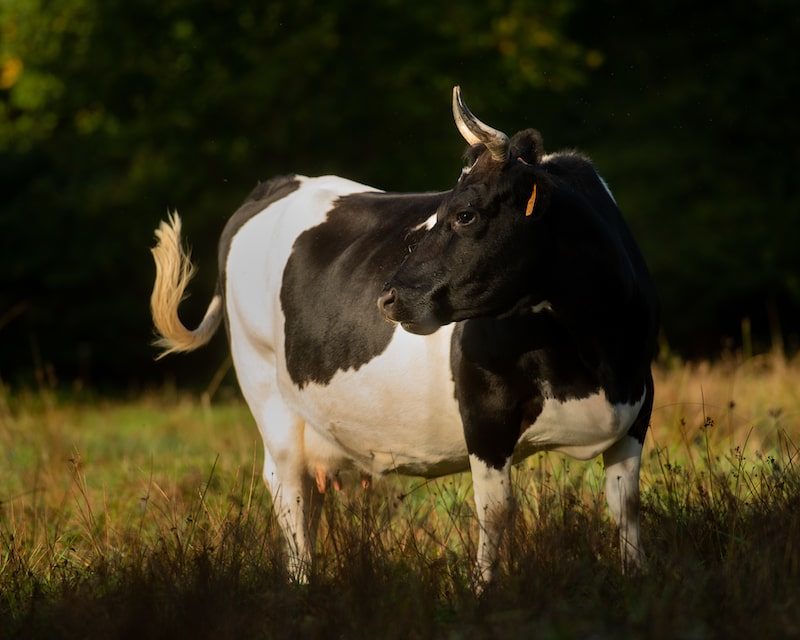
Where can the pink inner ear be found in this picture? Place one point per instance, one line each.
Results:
(531, 201)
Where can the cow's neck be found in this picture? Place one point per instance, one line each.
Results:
(599, 325)
(593, 289)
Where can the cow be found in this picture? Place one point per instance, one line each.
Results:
(432, 333)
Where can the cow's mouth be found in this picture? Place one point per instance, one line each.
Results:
(420, 328)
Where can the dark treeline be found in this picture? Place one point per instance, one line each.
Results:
(113, 112)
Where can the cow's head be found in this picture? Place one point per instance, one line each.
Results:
(488, 240)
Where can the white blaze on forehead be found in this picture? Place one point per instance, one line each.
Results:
(427, 225)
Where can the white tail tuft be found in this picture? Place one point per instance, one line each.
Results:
(174, 270)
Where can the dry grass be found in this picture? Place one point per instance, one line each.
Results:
(148, 519)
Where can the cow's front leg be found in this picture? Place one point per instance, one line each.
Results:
(491, 487)
(491, 408)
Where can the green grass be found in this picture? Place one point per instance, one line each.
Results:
(148, 519)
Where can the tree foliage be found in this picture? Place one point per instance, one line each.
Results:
(703, 148)
(112, 112)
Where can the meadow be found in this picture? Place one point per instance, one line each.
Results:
(147, 518)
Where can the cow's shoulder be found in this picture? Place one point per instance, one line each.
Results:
(532, 351)
(335, 274)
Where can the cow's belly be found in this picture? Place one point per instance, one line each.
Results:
(395, 413)
(398, 413)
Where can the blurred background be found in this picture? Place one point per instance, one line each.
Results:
(113, 112)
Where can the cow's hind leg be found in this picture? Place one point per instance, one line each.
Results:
(622, 493)
(286, 476)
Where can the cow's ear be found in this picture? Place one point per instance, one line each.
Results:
(530, 205)
(527, 146)
(533, 194)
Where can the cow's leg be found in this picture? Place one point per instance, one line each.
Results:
(286, 475)
(285, 470)
(622, 493)
(491, 416)
(491, 486)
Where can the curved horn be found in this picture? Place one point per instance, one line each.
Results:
(475, 131)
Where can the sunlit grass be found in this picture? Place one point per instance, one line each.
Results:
(149, 517)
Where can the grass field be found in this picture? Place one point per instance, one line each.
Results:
(148, 518)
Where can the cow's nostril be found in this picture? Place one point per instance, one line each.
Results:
(386, 300)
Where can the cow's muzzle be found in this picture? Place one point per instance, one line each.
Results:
(396, 312)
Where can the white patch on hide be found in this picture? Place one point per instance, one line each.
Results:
(582, 428)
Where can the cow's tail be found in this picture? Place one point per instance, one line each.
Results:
(174, 270)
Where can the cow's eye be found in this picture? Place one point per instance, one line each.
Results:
(463, 218)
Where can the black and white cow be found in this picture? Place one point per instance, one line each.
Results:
(429, 333)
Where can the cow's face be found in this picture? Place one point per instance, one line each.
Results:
(487, 247)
